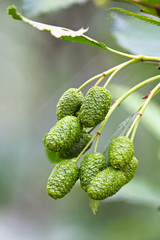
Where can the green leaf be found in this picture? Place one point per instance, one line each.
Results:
(120, 131)
(136, 15)
(58, 32)
(148, 6)
(13, 12)
(151, 116)
(33, 8)
(53, 156)
(136, 33)
(94, 204)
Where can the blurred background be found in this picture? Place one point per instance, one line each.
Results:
(35, 69)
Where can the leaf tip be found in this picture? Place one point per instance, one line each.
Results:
(13, 12)
(94, 204)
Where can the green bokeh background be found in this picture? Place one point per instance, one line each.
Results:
(35, 69)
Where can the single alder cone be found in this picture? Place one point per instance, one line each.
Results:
(95, 106)
(69, 103)
(62, 179)
(77, 147)
(120, 152)
(106, 183)
(91, 165)
(131, 168)
(64, 134)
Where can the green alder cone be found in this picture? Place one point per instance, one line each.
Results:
(106, 183)
(77, 147)
(91, 165)
(64, 134)
(95, 106)
(69, 103)
(130, 169)
(120, 152)
(62, 179)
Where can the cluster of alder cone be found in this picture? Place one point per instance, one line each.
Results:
(99, 178)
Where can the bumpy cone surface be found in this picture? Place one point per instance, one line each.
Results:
(95, 106)
(131, 168)
(91, 165)
(106, 183)
(64, 134)
(77, 147)
(120, 152)
(62, 179)
(69, 103)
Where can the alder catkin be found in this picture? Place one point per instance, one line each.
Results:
(131, 168)
(95, 106)
(69, 103)
(64, 134)
(77, 147)
(121, 151)
(106, 183)
(90, 166)
(62, 179)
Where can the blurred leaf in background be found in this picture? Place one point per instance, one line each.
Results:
(37, 7)
(144, 37)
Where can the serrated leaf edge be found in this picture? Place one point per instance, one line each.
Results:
(136, 15)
